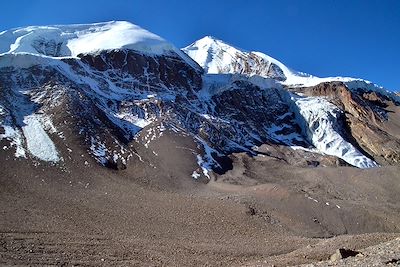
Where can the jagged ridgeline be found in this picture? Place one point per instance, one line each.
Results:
(116, 90)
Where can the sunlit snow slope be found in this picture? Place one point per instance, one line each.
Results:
(215, 56)
(71, 40)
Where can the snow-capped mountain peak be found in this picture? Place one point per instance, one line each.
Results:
(59, 41)
(71, 40)
(217, 56)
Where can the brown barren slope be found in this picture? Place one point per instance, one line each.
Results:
(88, 215)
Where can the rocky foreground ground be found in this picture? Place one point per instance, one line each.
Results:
(254, 215)
(384, 254)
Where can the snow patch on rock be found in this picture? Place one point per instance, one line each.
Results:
(38, 142)
(16, 140)
(99, 150)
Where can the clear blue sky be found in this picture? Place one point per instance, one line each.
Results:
(359, 38)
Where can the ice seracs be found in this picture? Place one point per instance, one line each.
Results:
(322, 127)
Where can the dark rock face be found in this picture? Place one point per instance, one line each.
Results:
(152, 73)
(261, 115)
(238, 118)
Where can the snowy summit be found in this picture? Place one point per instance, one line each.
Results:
(72, 40)
(218, 57)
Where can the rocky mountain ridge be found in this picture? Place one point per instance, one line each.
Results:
(231, 101)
